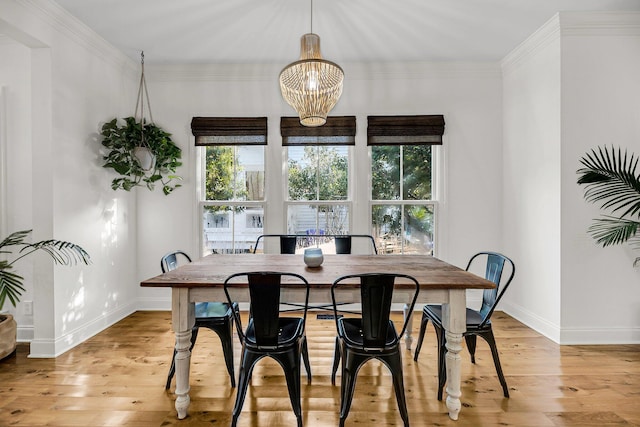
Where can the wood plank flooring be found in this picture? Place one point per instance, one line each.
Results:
(117, 379)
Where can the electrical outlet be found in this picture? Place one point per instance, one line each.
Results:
(28, 308)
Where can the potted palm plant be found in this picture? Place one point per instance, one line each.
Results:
(612, 179)
(11, 283)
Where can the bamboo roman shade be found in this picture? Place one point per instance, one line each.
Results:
(339, 130)
(229, 130)
(406, 130)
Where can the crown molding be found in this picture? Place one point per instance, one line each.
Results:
(540, 39)
(574, 24)
(422, 70)
(600, 23)
(211, 72)
(353, 71)
(53, 15)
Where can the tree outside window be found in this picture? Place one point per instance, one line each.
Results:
(318, 174)
(233, 213)
(402, 211)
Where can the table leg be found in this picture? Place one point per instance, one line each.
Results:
(182, 319)
(454, 319)
(452, 360)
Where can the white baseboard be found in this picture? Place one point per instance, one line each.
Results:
(584, 336)
(535, 322)
(154, 304)
(573, 336)
(47, 348)
(25, 333)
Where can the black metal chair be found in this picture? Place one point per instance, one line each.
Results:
(268, 334)
(343, 242)
(288, 242)
(216, 316)
(371, 335)
(478, 321)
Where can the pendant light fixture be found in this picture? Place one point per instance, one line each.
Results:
(311, 85)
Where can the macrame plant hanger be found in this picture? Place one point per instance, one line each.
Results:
(143, 152)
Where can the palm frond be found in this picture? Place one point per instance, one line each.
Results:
(10, 286)
(612, 231)
(14, 239)
(611, 178)
(64, 253)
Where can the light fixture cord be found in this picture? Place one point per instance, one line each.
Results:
(311, 17)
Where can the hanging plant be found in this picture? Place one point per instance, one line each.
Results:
(123, 142)
(140, 151)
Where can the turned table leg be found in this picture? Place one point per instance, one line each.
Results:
(183, 319)
(455, 323)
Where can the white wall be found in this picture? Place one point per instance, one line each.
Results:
(600, 106)
(15, 77)
(469, 96)
(77, 82)
(531, 168)
(569, 88)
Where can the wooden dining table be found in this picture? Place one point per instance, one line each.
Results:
(203, 280)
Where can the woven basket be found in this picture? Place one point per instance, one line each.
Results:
(8, 328)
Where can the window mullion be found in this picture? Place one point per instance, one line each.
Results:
(317, 172)
(235, 174)
(317, 149)
(402, 230)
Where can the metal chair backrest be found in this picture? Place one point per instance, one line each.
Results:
(264, 296)
(343, 242)
(376, 293)
(376, 296)
(170, 261)
(288, 242)
(493, 271)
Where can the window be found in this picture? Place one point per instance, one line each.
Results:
(233, 175)
(400, 210)
(318, 158)
(402, 205)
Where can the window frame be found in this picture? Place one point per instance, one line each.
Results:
(338, 131)
(405, 131)
(228, 132)
(276, 202)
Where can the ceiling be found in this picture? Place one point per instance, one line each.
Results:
(268, 31)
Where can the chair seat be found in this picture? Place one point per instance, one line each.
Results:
(290, 330)
(215, 310)
(350, 329)
(474, 319)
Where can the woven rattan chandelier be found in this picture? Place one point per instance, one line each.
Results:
(311, 85)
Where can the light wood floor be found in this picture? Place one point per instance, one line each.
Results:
(117, 379)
